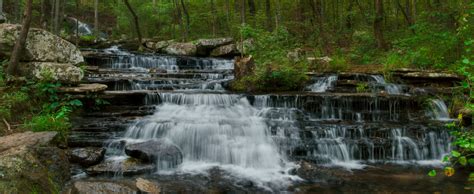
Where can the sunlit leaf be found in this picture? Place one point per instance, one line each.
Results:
(455, 153)
(432, 173)
(462, 160)
(449, 171)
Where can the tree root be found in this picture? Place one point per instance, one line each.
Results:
(8, 125)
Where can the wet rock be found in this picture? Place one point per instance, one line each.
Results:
(188, 49)
(91, 186)
(226, 50)
(154, 149)
(41, 46)
(84, 88)
(126, 167)
(32, 162)
(158, 45)
(147, 186)
(87, 156)
(62, 72)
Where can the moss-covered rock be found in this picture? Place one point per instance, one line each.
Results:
(30, 162)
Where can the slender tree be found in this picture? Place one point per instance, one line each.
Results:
(378, 25)
(186, 15)
(96, 18)
(12, 69)
(135, 21)
(268, 14)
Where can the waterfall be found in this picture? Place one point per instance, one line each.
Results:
(214, 130)
(438, 110)
(323, 83)
(388, 87)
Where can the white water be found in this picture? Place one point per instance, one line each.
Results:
(83, 28)
(389, 88)
(216, 130)
(438, 110)
(322, 84)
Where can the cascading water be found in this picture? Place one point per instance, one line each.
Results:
(388, 87)
(438, 110)
(323, 83)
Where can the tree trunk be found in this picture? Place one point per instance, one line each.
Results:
(378, 25)
(2, 17)
(186, 14)
(20, 42)
(406, 13)
(214, 18)
(135, 21)
(56, 16)
(252, 9)
(268, 14)
(96, 18)
(43, 14)
(242, 13)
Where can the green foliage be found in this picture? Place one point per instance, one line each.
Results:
(88, 38)
(274, 71)
(362, 87)
(338, 63)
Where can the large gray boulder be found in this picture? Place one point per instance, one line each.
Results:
(224, 51)
(41, 46)
(213, 43)
(62, 72)
(188, 49)
(152, 150)
(32, 163)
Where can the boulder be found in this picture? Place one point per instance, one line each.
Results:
(128, 167)
(62, 72)
(41, 46)
(31, 162)
(100, 186)
(84, 88)
(213, 43)
(153, 150)
(188, 49)
(226, 50)
(163, 44)
(87, 156)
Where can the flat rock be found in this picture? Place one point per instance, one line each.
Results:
(100, 186)
(26, 139)
(126, 167)
(87, 156)
(147, 186)
(151, 150)
(84, 88)
(214, 42)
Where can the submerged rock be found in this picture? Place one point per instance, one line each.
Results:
(31, 162)
(87, 156)
(188, 49)
(63, 72)
(154, 150)
(99, 186)
(126, 167)
(41, 46)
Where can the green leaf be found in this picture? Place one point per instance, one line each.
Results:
(462, 160)
(466, 61)
(432, 173)
(455, 153)
(446, 159)
(75, 103)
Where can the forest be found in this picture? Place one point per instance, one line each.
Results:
(275, 95)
